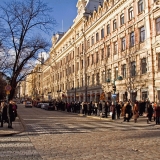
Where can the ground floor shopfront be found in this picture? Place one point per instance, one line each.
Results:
(139, 91)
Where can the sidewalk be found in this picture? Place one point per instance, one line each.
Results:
(17, 128)
(141, 121)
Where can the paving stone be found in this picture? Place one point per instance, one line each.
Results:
(48, 136)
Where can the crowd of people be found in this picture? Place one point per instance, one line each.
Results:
(8, 113)
(116, 110)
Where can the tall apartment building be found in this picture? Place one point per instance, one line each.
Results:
(110, 42)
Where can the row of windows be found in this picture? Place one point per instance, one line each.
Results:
(132, 69)
(122, 21)
(143, 69)
(142, 33)
(123, 40)
(116, 71)
(95, 78)
(115, 44)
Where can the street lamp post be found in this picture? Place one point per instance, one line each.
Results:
(114, 88)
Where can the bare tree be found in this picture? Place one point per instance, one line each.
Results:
(2, 86)
(22, 25)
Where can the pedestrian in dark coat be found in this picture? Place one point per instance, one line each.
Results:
(11, 114)
(106, 109)
(95, 107)
(128, 111)
(4, 117)
(99, 108)
(14, 106)
(113, 111)
(85, 108)
(149, 113)
(157, 114)
(118, 109)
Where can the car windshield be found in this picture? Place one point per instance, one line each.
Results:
(28, 102)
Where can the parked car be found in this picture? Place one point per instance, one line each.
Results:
(28, 104)
(49, 106)
(43, 105)
(39, 105)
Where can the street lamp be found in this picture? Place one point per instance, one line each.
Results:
(114, 87)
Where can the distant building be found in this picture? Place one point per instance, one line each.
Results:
(112, 42)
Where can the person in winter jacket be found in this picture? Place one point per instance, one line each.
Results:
(3, 112)
(149, 113)
(128, 111)
(135, 112)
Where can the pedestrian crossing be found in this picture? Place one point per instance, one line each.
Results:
(84, 127)
(18, 147)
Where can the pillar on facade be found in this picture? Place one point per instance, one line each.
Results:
(121, 96)
(151, 94)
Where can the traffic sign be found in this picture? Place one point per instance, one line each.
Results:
(114, 95)
(8, 87)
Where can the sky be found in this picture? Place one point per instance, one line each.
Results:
(64, 12)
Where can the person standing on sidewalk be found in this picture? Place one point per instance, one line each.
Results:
(14, 107)
(118, 109)
(106, 109)
(85, 108)
(89, 108)
(113, 110)
(96, 107)
(157, 114)
(128, 111)
(135, 112)
(149, 113)
(11, 114)
(99, 108)
(3, 111)
(82, 107)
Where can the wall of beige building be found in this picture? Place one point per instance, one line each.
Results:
(75, 61)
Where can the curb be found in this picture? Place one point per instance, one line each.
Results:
(108, 119)
(12, 133)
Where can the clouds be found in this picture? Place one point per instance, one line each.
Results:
(42, 56)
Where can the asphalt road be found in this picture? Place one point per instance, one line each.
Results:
(55, 135)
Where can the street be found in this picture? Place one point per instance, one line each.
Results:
(56, 135)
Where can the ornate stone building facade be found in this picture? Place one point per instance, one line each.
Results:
(111, 42)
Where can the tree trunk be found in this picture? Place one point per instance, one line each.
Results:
(12, 92)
